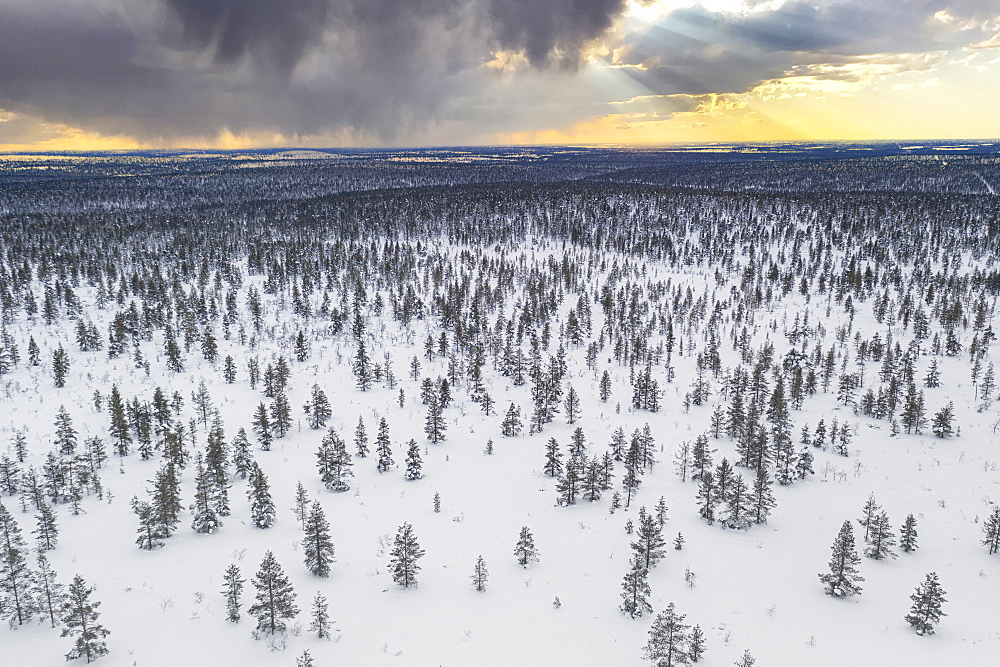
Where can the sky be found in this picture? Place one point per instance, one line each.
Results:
(129, 74)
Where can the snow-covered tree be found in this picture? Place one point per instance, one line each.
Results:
(80, 618)
(316, 543)
(479, 575)
(842, 580)
(926, 610)
(669, 639)
(233, 591)
(525, 549)
(405, 553)
(275, 596)
(635, 590)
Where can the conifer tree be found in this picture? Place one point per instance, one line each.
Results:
(525, 549)
(926, 610)
(60, 366)
(633, 470)
(80, 617)
(941, 425)
(361, 439)
(746, 660)
(318, 408)
(701, 457)
(414, 463)
(234, 581)
(605, 387)
(405, 553)
(334, 462)
(205, 517)
(151, 531)
(301, 507)
(869, 514)
(842, 580)
(47, 532)
(908, 534)
(669, 640)
(65, 441)
(739, 507)
(281, 415)
(991, 531)
(229, 369)
(696, 644)
(708, 497)
(305, 660)
(382, 447)
(49, 594)
(16, 580)
(881, 539)
(572, 405)
(120, 430)
(242, 454)
(275, 597)
(511, 425)
(320, 618)
(262, 427)
(804, 464)
(262, 509)
(553, 459)
(635, 590)
(316, 543)
(479, 575)
(761, 500)
(649, 543)
(166, 498)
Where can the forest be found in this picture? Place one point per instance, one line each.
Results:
(714, 404)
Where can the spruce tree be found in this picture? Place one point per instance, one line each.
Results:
(669, 640)
(151, 531)
(233, 591)
(47, 532)
(16, 580)
(511, 425)
(479, 575)
(318, 408)
(275, 597)
(696, 644)
(649, 543)
(525, 548)
(926, 610)
(908, 534)
(842, 580)
(382, 447)
(405, 553)
(869, 514)
(708, 497)
(320, 618)
(414, 463)
(242, 454)
(80, 617)
(166, 498)
(553, 459)
(316, 543)
(205, 517)
(60, 366)
(262, 509)
(635, 590)
(739, 505)
(262, 427)
(281, 415)
(991, 531)
(120, 430)
(435, 425)
(361, 439)
(334, 462)
(761, 498)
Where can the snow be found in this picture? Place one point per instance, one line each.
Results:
(755, 589)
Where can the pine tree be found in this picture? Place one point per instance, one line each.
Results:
(842, 580)
(316, 544)
(47, 532)
(679, 541)
(80, 617)
(739, 508)
(229, 369)
(318, 408)
(869, 514)
(746, 660)
(301, 507)
(908, 534)
(553, 459)
(926, 610)
(205, 507)
(49, 594)
(362, 367)
(511, 425)
(683, 461)
(320, 623)
(405, 553)
(569, 484)
(262, 509)
(605, 387)
(669, 641)
(525, 548)
(275, 597)
(16, 580)
(881, 538)
(382, 447)
(708, 497)
(804, 464)
(437, 502)
(991, 531)
(120, 430)
(572, 405)
(435, 424)
(696, 644)
(479, 575)
(334, 462)
(414, 464)
(761, 499)
(635, 590)
(701, 457)
(262, 427)
(65, 441)
(941, 425)
(649, 544)
(151, 531)
(233, 591)
(305, 660)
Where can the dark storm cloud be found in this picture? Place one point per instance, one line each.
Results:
(279, 31)
(398, 71)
